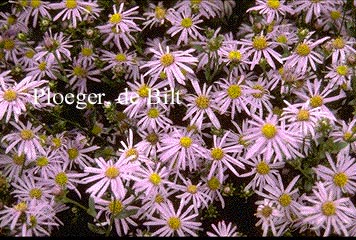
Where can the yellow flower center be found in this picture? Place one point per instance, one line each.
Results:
(269, 130)
(61, 179)
(87, 52)
(29, 54)
(274, 4)
(79, 71)
(18, 159)
(112, 172)
(152, 138)
(282, 38)
(303, 115)
(120, 57)
(259, 42)
(153, 113)
(285, 200)
(160, 12)
(262, 91)
(35, 193)
(26, 134)
(42, 66)
(185, 141)
(9, 44)
(192, 189)
(340, 179)
(328, 208)
(242, 141)
(217, 153)
(234, 91)
(214, 183)
(339, 43)
(266, 211)
(334, 14)
(115, 207)
(11, 20)
(342, 70)
(316, 101)
(97, 129)
(303, 49)
(174, 223)
(195, 2)
(73, 153)
(202, 102)
(167, 59)
(10, 95)
(132, 152)
(21, 207)
(163, 75)
(155, 179)
(186, 22)
(159, 198)
(347, 136)
(33, 221)
(262, 168)
(35, 3)
(42, 161)
(57, 142)
(143, 91)
(115, 18)
(234, 56)
(70, 4)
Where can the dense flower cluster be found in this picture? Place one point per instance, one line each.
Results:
(213, 101)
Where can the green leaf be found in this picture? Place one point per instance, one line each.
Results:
(96, 229)
(126, 213)
(339, 146)
(91, 210)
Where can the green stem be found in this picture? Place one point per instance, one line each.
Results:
(65, 79)
(68, 200)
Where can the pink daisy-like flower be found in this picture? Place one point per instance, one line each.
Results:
(185, 23)
(223, 230)
(174, 222)
(111, 174)
(171, 63)
(272, 9)
(201, 105)
(261, 46)
(325, 211)
(14, 97)
(26, 139)
(304, 55)
(272, 137)
(341, 177)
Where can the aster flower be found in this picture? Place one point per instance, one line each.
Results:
(233, 93)
(44, 164)
(192, 194)
(272, 137)
(223, 230)
(156, 15)
(151, 202)
(341, 176)
(11, 46)
(46, 67)
(208, 9)
(111, 174)
(344, 133)
(286, 198)
(53, 46)
(222, 155)
(261, 46)
(264, 171)
(26, 139)
(114, 208)
(201, 105)
(270, 217)
(185, 23)
(312, 8)
(27, 189)
(72, 10)
(271, 9)
(341, 48)
(154, 117)
(339, 75)
(213, 186)
(174, 222)
(13, 164)
(87, 54)
(325, 211)
(304, 55)
(171, 63)
(181, 149)
(14, 97)
(150, 142)
(37, 9)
